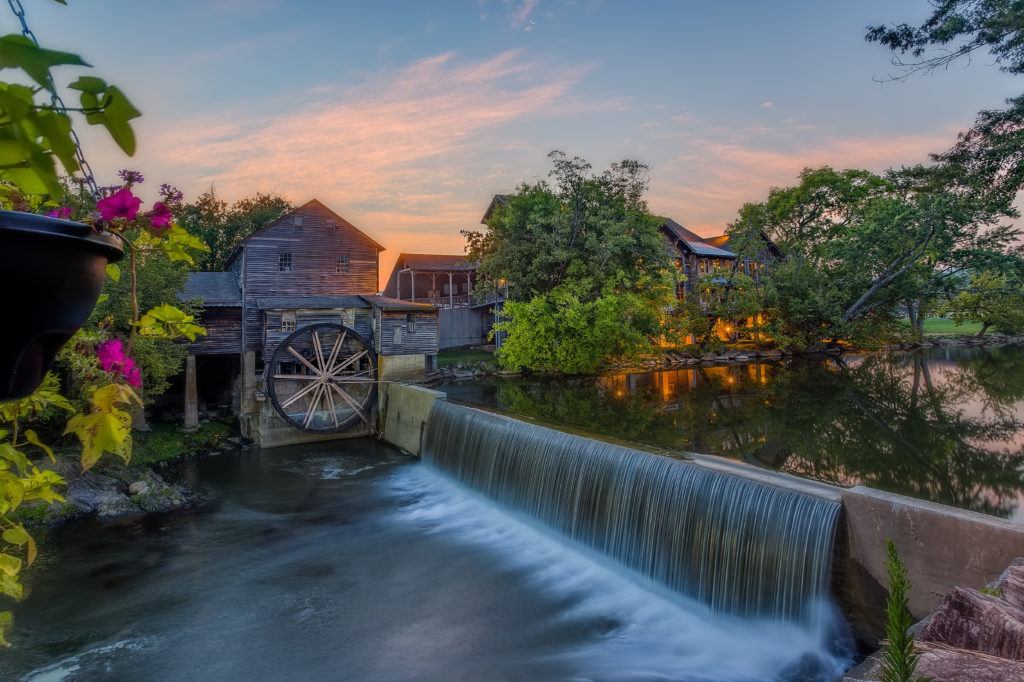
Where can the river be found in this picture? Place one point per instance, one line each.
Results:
(944, 424)
(349, 561)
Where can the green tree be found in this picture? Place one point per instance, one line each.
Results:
(223, 226)
(991, 299)
(564, 331)
(580, 227)
(722, 301)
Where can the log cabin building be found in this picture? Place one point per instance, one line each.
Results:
(310, 267)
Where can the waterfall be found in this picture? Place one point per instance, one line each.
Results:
(737, 545)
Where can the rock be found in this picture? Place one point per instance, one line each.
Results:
(968, 619)
(1011, 584)
(742, 358)
(947, 664)
(708, 357)
(138, 488)
(807, 668)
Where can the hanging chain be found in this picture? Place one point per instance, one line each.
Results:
(58, 103)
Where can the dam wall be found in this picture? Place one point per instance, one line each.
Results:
(942, 547)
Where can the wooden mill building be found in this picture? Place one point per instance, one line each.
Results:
(309, 267)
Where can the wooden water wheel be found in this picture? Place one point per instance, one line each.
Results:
(323, 378)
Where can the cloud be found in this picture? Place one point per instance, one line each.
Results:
(715, 172)
(767, 104)
(401, 151)
(519, 13)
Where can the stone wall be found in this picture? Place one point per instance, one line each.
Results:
(404, 411)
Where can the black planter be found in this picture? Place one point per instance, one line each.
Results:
(51, 273)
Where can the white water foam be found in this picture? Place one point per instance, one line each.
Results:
(657, 635)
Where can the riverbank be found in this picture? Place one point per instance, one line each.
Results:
(148, 484)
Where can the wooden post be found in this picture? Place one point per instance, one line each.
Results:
(191, 394)
(412, 278)
(451, 292)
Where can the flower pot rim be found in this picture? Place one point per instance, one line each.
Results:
(32, 224)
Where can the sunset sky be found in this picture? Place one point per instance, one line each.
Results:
(406, 117)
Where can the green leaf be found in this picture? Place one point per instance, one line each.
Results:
(15, 457)
(11, 587)
(20, 537)
(113, 111)
(17, 51)
(32, 438)
(90, 84)
(10, 565)
(102, 298)
(168, 322)
(114, 272)
(6, 617)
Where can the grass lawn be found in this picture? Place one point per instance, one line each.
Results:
(447, 358)
(942, 325)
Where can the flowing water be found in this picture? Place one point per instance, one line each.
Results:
(736, 545)
(350, 562)
(945, 425)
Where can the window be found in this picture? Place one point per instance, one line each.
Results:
(288, 321)
(332, 227)
(348, 318)
(341, 264)
(284, 261)
(397, 339)
(297, 221)
(410, 322)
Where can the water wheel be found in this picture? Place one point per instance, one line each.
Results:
(322, 378)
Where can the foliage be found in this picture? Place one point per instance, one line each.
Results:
(22, 481)
(107, 427)
(580, 228)
(166, 442)
(859, 245)
(222, 226)
(33, 134)
(566, 332)
(898, 658)
(722, 301)
(993, 300)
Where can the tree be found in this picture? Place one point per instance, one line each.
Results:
(588, 273)
(580, 227)
(992, 300)
(223, 226)
(859, 245)
(988, 158)
(722, 301)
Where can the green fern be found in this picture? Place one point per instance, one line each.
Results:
(898, 658)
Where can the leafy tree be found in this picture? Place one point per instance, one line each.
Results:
(992, 300)
(565, 332)
(580, 227)
(222, 226)
(722, 301)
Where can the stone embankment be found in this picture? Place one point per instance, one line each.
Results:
(974, 636)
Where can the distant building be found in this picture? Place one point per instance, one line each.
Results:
(695, 255)
(309, 267)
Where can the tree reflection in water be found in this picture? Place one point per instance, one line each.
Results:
(945, 425)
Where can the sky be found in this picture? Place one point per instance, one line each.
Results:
(406, 117)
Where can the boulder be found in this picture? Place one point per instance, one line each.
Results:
(968, 619)
(1010, 585)
(947, 664)
(138, 488)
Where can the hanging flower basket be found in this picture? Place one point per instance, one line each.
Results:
(51, 274)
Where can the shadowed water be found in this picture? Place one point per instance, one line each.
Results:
(735, 545)
(945, 424)
(349, 562)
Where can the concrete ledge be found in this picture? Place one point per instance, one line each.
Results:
(404, 411)
(942, 547)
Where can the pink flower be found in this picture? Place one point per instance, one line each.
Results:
(120, 204)
(64, 212)
(160, 217)
(113, 360)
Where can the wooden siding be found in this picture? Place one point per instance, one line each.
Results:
(273, 335)
(223, 332)
(423, 340)
(315, 249)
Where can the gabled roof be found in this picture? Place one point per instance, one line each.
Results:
(388, 303)
(721, 241)
(309, 302)
(312, 202)
(678, 231)
(501, 199)
(428, 262)
(214, 288)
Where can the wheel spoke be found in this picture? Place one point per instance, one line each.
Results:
(313, 404)
(299, 394)
(319, 351)
(348, 399)
(304, 361)
(334, 351)
(334, 408)
(334, 372)
(297, 377)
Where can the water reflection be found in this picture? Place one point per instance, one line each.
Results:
(945, 425)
